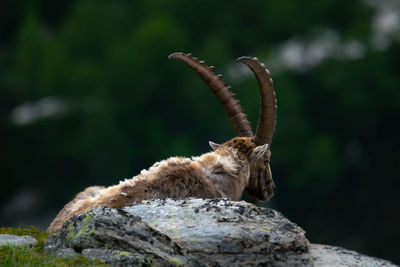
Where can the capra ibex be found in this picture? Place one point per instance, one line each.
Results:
(240, 164)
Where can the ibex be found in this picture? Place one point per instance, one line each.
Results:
(241, 164)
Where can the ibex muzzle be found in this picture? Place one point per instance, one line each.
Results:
(241, 164)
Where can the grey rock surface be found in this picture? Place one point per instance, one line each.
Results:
(125, 258)
(66, 253)
(190, 232)
(196, 232)
(326, 256)
(18, 241)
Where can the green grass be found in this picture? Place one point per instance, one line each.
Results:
(25, 256)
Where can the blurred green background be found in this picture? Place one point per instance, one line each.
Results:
(88, 97)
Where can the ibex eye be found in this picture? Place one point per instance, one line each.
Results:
(266, 162)
(219, 173)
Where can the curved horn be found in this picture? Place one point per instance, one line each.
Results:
(232, 108)
(268, 106)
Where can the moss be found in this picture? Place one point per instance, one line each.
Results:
(149, 259)
(123, 254)
(175, 261)
(83, 229)
(12, 256)
(40, 236)
(24, 256)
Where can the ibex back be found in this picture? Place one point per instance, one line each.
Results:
(241, 164)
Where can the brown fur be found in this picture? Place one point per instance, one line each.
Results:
(225, 172)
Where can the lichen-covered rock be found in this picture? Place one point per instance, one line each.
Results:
(111, 232)
(123, 258)
(189, 232)
(66, 253)
(196, 232)
(327, 256)
(227, 232)
(16, 240)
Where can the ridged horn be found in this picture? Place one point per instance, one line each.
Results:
(268, 105)
(231, 105)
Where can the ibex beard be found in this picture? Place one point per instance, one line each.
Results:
(241, 164)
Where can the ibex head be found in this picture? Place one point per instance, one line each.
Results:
(255, 148)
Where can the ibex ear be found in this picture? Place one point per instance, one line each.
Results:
(260, 151)
(214, 146)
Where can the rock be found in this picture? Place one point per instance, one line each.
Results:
(66, 253)
(124, 258)
(190, 232)
(324, 255)
(196, 232)
(18, 241)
